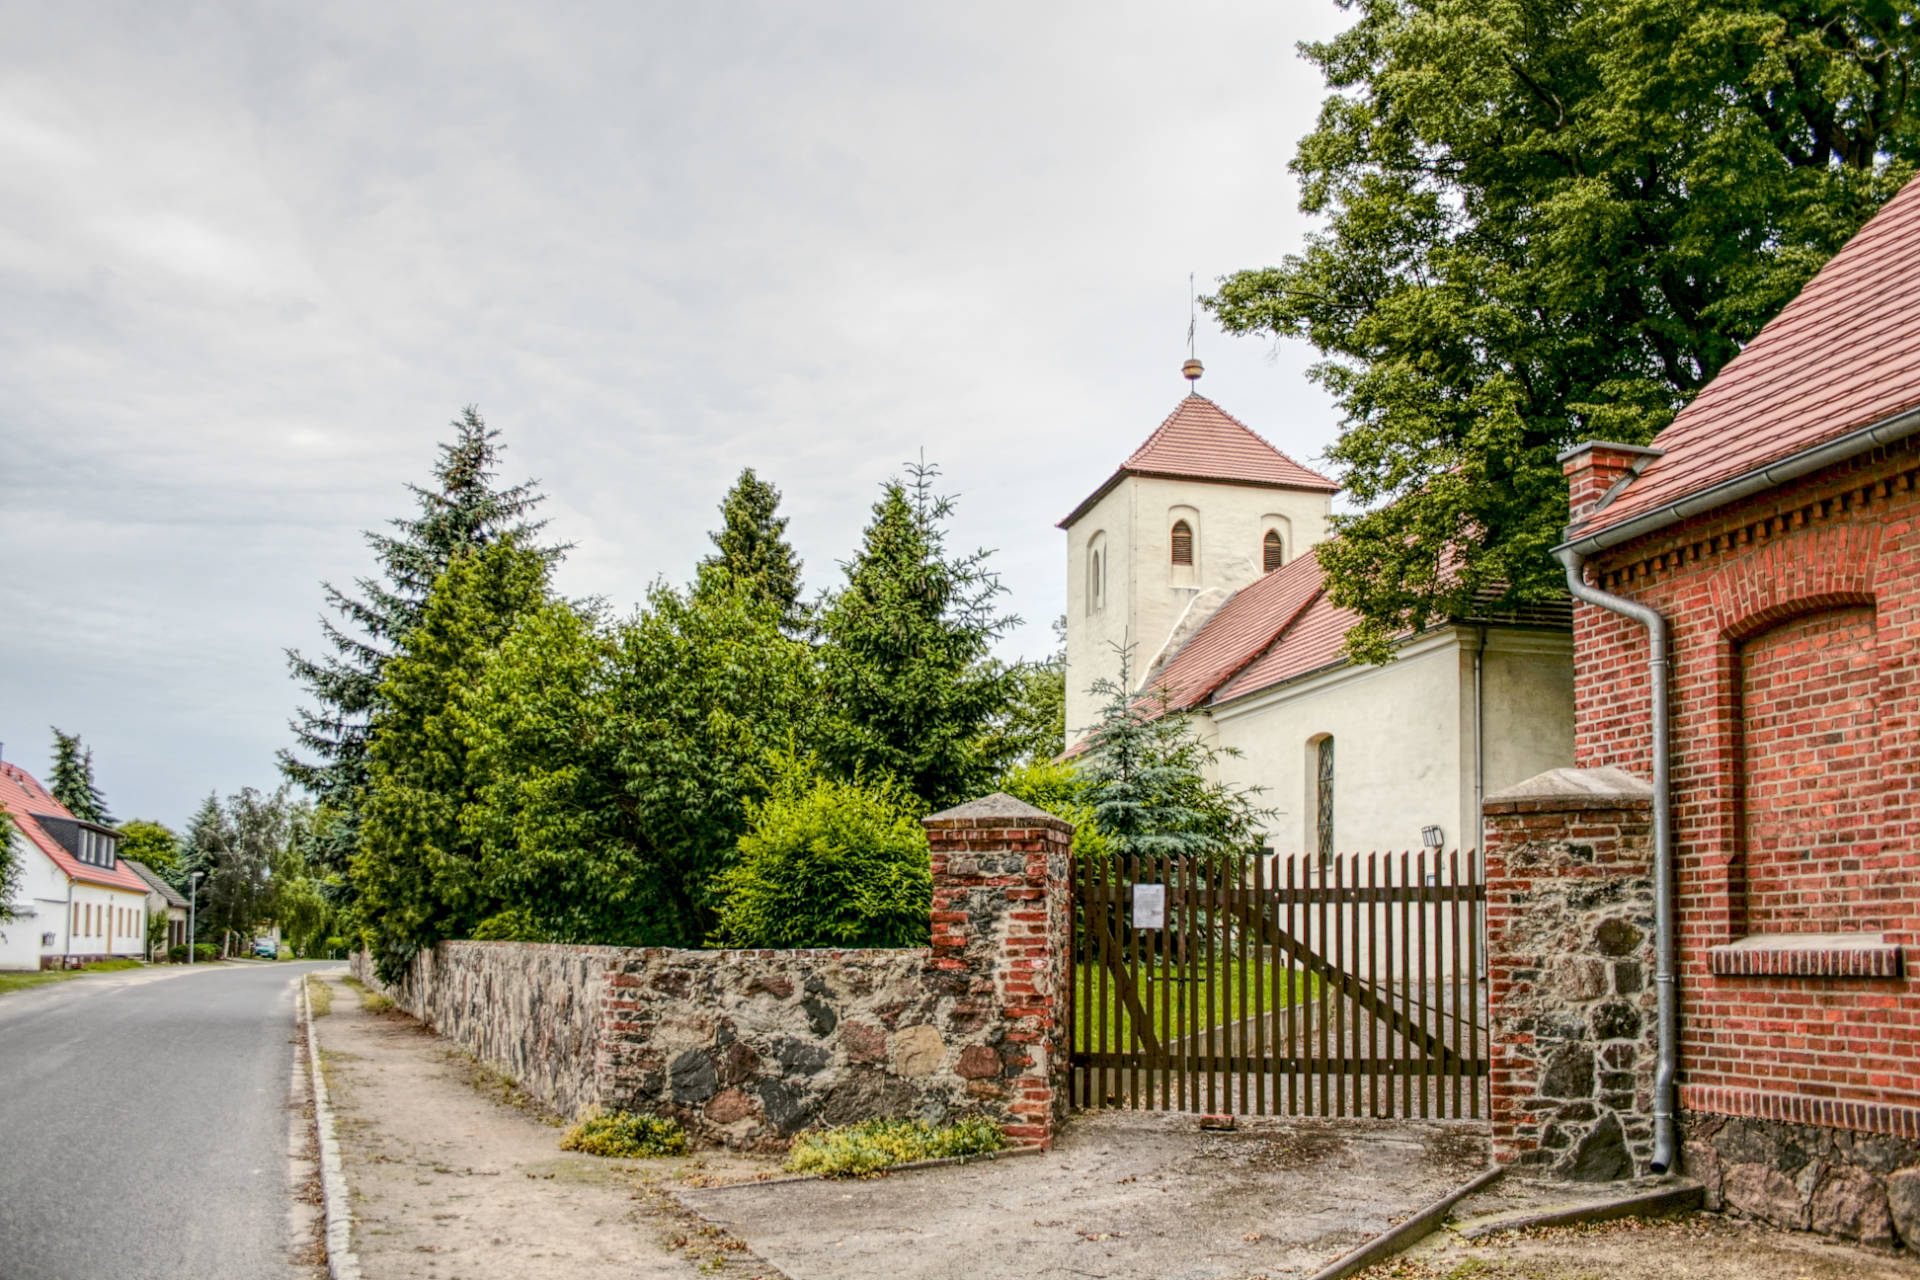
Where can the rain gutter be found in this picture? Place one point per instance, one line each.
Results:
(1573, 555)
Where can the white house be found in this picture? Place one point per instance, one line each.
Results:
(78, 901)
(1197, 552)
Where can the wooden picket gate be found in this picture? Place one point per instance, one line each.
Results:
(1349, 987)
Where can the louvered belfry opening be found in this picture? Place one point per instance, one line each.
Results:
(1182, 542)
(1270, 551)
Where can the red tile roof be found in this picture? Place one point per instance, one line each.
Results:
(1844, 354)
(1201, 441)
(1239, 632)
(22, 796)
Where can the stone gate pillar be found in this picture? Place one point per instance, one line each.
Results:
(1570, 948)
(1000, 939)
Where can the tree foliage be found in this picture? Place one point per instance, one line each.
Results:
(1031, 726)
(13, 871)
(464, 508)
(828, 862)
(418, 870)
(618, 760)
(911, 688)
(234, 846)
(73, 784)
(153, 843)
(1151, 785)
(752, 553)
(1549, 222)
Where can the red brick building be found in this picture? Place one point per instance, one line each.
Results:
(1775, 525)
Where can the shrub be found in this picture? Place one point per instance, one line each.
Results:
(828, 863)
(626, 1136)
(856, 1150)
(512, 925)
(205, 951)
(177, 953)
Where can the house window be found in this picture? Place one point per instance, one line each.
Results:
(1270, 551)
(1182, 542)
(1323, 798)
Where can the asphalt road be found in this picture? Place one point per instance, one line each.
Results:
(143, 1125)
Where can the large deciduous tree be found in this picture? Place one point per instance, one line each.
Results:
(233, 845)
(463, 508)
(417, 870)
(1546, 222)
(72, 782)
(752, 552)
(152, 843)
(911, 688)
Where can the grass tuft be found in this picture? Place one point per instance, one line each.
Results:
(319, 996)
(626, 1136)
(856, 1150)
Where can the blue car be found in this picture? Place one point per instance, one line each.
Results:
(265, 949)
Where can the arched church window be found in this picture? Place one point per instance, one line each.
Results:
(1270, 551)
(1093, 582)
(1323, 799)
(1182, 542)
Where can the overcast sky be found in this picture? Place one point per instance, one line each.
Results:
(254, 257)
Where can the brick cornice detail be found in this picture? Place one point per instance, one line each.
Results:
(1864, 959)
(1829, 1113)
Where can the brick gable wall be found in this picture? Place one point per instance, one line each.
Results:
(1796, 670)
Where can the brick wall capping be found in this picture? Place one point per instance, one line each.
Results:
(1807, 955)
(1557, 790)
(1608, 446)
(996, 810)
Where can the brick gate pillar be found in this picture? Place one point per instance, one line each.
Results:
(1000, 940)
(1570, 948)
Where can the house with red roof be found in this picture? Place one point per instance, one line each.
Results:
(78, 901)
(1197, 552)
(1772, 531)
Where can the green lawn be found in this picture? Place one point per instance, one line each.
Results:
(21, 981)
(1203, 989)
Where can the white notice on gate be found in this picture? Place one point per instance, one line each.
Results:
(1149, 906)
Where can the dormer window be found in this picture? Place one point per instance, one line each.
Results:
(96, 848)
(1182, 542)
(1271, 552)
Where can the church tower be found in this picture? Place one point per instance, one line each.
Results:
(1200, 510)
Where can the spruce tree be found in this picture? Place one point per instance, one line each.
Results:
(418, 870)
(462, 509)
(912, 690)
(753, 553)
(1145, 779)
(72, 784)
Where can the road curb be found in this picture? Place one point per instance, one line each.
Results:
(1407, 1234)
(342, 1262)
(1676, 1197)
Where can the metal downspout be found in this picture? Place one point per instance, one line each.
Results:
(1664, 1142)
(1480, 786)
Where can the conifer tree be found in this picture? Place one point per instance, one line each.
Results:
(753, 553)
(1145, 781)
(72, 784)
(463, 508)
(911, 688)
(417, 871)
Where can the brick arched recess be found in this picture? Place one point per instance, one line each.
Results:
(1808, 730)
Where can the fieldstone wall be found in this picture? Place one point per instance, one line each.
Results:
(532, 1011)
(1859, 1186)
(748, 1048)
(1570, 965)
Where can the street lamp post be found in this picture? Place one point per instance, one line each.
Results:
(193, 901)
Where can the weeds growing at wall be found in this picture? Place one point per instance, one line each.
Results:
(626, 1136)
(856, 1150)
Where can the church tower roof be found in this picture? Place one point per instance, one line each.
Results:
(1201, 441)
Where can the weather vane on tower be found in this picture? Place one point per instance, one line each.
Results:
(1192, 368)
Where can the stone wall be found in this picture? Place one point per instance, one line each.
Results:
(1570, 967)
(529, 1010)
(1859, 1186)
(747, 1048)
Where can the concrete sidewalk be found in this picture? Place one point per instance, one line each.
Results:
(1125, 1196)
(451, 1176)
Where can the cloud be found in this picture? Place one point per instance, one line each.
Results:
(256, 259)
